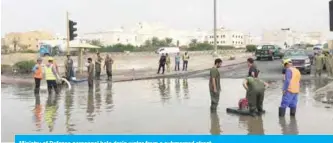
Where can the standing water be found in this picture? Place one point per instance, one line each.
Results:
(162, 106)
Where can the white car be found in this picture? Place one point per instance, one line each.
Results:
(167, 50)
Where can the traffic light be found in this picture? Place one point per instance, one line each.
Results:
(331, 14)
(72, 30)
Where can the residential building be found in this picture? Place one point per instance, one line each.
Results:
(226, 37)
(25, 40)
(138, 34)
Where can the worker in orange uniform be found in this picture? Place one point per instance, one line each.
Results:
(38, 74)
(291, 88)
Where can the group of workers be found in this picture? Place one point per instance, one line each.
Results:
(50, 71)
(321, 60)
(255, 88)
(165, 60)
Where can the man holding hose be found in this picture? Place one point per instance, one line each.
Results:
(51, 76)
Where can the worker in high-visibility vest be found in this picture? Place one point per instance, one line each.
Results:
(51, 76)
(47, 56)
(38, 74)
(291, 88)
(186, 57)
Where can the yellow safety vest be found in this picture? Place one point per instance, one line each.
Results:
(49, 73)
(186, 57)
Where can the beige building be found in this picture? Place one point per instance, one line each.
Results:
(225, 37)
(25, 40)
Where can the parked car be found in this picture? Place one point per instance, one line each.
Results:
(268, 51)
(300, 59)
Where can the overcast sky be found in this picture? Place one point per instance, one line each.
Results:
(96, 15)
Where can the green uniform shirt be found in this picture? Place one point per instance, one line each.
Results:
(319, 62)
(255, 84)
(98, 64)
(91, 70)
(214, 73)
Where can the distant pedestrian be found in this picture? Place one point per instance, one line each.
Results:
(108, 65)
(168, 62)
(51, 76)
(162, 62)
(319, 63)
(215, 85)
(98, 66)
(328, 64)
(90, 73)
(177, 62)
(69, 67)
(38, 74)
(186, 57)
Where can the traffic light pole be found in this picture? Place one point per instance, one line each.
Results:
(67, 29)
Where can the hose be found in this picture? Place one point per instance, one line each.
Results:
(69, 84)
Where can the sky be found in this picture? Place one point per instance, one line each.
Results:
(251, 16)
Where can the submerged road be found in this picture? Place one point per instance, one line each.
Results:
(166, 106)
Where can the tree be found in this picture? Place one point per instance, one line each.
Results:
(15, 43)
(155, 42)
(193, 43)
(168, 41)
(95, 42)
(4, 49)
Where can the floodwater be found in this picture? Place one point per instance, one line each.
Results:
(159, 106)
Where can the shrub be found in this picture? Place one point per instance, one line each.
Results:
(24, 66)
(225, 47)
(6, 68)
(28, 51)
(251, 48)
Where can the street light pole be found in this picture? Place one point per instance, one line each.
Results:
(215, 46)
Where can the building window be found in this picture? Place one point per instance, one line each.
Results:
(242, 43)
(233, 36)
(233, 42)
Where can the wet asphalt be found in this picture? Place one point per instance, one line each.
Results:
(162, 106)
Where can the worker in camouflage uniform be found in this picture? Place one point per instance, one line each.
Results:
(255, 89)
(98, 66)
(319, 63)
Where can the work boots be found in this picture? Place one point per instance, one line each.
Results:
(282, 112)
(292, 112)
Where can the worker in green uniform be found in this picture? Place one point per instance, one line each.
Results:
(328, 64)
(90, 73)
(319, 63)
(255, 89)
(108, 66)
(214, 84)
(98, 66)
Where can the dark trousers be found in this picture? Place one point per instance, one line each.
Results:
(109, 74)
(37, 85)
(215, 98)
(185, 63)
(255, 100)
(98, 75)
(90, 82)
(177, 66)
(159, 68)
(52, 84)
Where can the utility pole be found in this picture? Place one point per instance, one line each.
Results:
(67, 29)
(215, 46)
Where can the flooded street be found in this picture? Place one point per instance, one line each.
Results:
(159, 106)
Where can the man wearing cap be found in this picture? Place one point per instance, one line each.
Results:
(38, 74)
(69, 67)
(291, 88)
(51, 76)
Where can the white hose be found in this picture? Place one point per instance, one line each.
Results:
(69, 84)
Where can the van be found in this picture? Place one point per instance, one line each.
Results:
(169, 50)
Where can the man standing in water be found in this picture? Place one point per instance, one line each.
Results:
(177, 62)
(98, 66)
(186, 57)
(162, 62)
(108, 65)
(38, 74)
(69, 67)
(51, 76)
(319, 63)
(214, 84)
(168, 62)
(291, 88)
(90, 73)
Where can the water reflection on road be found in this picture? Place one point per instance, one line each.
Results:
(155, 106)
